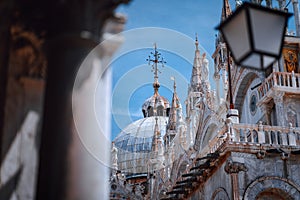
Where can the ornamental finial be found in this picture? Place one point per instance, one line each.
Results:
(196, 42)
(154, 59)
(174, 86)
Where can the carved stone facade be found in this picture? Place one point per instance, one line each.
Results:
(254, 155)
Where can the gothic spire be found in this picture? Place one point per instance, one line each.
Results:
(226, 10)
(157, 151)
(173, 111)
(155, 59)
(155, 136)
(196, 76)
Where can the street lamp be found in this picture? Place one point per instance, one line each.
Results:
(254, 35)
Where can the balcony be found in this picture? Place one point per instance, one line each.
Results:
(279, 81)
(254, 137)
(257, 139)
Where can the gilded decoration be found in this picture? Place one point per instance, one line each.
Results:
(290, 57)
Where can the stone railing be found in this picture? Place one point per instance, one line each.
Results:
(284, 80)
(264, 134)
(254, 134)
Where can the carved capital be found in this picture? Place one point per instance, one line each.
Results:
(278, 97)
(261, 154)
(266, 108)
(234, 167)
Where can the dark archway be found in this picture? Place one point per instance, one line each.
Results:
(273, 194)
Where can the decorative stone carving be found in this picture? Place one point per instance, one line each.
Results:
(114, 157)
(278, 97)
(182, 136)
(291, 136)
(205, 69)
(234, 167)
(267, 109)
(292, 116)
(260, 133)
(261, 154)
(285, 155)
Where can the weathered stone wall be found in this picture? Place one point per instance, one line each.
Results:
(273, 174)
(218, 185)
(272, 170)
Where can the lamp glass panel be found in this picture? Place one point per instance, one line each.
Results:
(267, 29)
(268, 60)
(237, 36)
(253, 60)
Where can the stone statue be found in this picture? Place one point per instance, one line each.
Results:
(114, 156)
(205, 69)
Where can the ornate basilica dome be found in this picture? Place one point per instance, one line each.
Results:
(156, 101)
(134, 144)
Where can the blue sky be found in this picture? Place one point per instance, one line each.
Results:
(188, 17)
(132, 77)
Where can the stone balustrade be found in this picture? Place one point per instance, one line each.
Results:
(281, 80)
(264, 134)
(254, 134)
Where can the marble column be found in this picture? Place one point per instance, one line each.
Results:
(233, 168)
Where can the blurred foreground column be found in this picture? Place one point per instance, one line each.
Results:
(67, 170)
